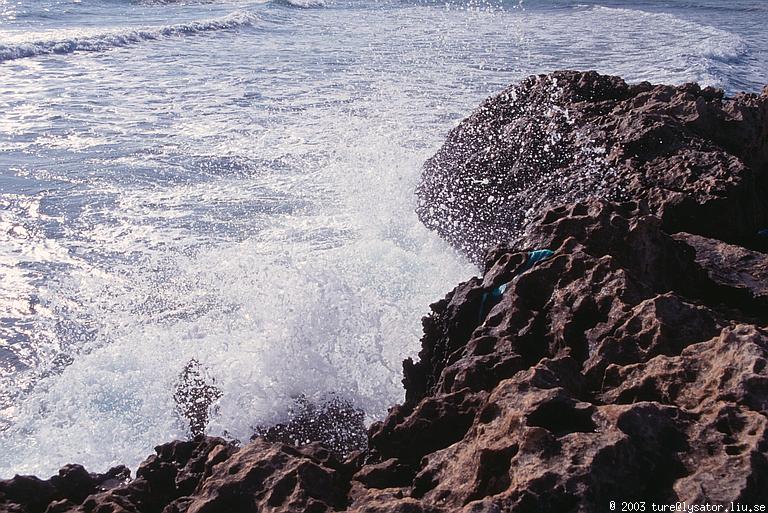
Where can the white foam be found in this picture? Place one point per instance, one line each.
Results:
(304, 4)
(268, 323)
(316, 284)
(27, 333)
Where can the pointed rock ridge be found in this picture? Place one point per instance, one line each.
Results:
(631, 364)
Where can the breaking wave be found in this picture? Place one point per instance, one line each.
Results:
(703, 41)
(301, 4)
(703, 53)
(95, 42)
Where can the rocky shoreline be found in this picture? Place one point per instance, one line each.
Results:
(629, 364)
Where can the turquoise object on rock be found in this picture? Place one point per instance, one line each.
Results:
(499, 291)
(534, 257)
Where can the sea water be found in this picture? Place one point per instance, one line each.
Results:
(233, 182)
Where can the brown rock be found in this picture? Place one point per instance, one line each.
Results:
(70, 486)
(264, 477)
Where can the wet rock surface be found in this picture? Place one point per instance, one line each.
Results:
(333, 422)
(691, 155)
(631, 364)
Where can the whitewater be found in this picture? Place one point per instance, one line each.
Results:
(233, 182)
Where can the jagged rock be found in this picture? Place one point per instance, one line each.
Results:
(724, 383)
(175, 471)
(630, 365)
(695, 158)
(70, 486)
(626, 361)
(265, 477)
(739, 276)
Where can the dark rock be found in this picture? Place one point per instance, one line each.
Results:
(388, 474)
(697, 160)
(632, 364)
(271, 477)
(333, 422)
(71, 486)
(739, 276)
(178, 467)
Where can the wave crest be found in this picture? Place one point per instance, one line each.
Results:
(301, 4)
(703, 53)
(114, 39)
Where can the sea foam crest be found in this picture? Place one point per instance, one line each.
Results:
(302, 4)
(100, 41)
(703, 40)
(701, 53)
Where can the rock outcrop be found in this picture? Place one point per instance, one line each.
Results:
(691, 155)
(629, 365)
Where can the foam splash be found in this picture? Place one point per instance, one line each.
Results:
(314, 285)
(28, 339)
(269, 328)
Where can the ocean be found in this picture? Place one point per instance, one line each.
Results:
(233, 182)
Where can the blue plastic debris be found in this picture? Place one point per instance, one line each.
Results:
(499, 291)
(763, 232)
(534, 257)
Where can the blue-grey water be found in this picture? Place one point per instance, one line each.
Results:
(233, 182)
